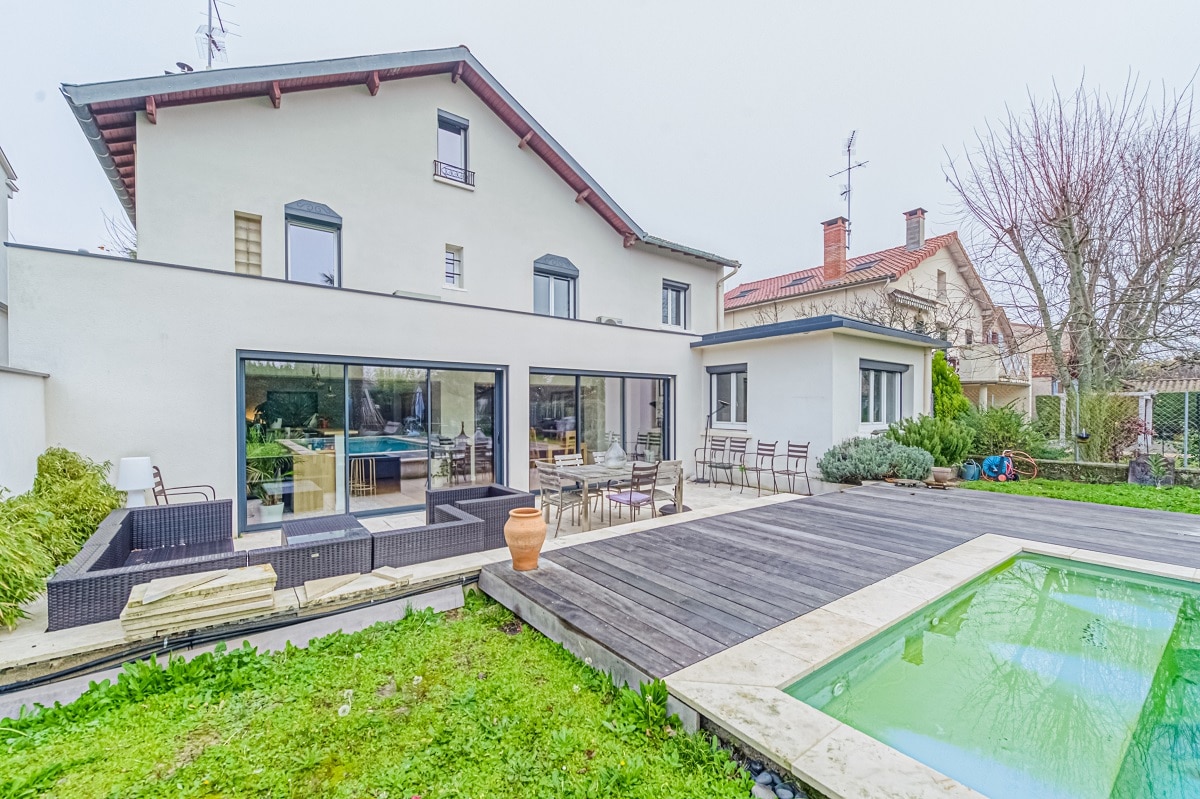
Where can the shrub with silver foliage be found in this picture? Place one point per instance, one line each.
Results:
(858, 459)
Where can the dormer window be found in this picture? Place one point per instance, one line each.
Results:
(451, 163)
(313, 243)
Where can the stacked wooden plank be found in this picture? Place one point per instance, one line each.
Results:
(352, 588)
(172, 605)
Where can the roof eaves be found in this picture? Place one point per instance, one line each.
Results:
(91, 131)
(655, 241)
(812, 325)
(10, 175)
(822, 289)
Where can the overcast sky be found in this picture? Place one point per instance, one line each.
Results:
(713, 124)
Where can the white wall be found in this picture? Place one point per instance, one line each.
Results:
(144, 356)
(371, 160)
(22, 427)
(806, 387)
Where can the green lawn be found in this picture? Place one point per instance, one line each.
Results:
(470, 704)
(1180, 499)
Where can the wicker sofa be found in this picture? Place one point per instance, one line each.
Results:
(137, 545)
(490, 503)
(452, 532)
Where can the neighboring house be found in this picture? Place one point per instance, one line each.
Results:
(361, 276)
(926, 286)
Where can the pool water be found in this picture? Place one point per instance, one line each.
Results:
(1043, 678)
(370, 445)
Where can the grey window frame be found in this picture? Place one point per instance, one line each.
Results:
(463, 126)
(731, 371)
(315, 216)
(684, 291)
(553, 268)
(892, 379)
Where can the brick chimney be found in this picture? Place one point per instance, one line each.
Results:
(914, 229)
(835, 248)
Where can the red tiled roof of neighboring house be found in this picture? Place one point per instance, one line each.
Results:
(1043, 364)
(885, 264)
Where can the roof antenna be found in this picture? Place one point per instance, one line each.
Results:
(850, 167)
(210, 37)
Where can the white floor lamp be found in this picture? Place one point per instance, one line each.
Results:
(134, 476)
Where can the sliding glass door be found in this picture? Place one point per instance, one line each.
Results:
(337, 435)
(584, 413)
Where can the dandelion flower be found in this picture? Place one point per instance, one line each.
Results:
(357, 655)
(417, 679)
(344, 710)
(348, 694)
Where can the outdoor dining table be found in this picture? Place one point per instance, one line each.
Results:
(599, 473)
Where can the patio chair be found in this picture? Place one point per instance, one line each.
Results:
(557, 492)
(577, 460)
(483, 458)
(734, 458)
(162, 494)
(795, 464)
(713, 453)
(639, 494)
(763, 460)
(668, 480)
(641, 443)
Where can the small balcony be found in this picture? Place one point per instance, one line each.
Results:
(454, 173)
(986, 363)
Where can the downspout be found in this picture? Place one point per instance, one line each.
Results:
(721, 295)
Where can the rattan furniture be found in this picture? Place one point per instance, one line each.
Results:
(136, 545)
(453, 532)
(491, 503)
(322, 546)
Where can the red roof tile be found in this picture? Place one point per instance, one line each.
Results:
(890, 263)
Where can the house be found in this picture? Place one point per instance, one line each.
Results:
(927, 285)
(10, 188)
(359, 277)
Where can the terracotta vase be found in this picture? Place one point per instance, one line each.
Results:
(943, 474)
(525, 532)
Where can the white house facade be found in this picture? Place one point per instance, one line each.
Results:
(360, 277)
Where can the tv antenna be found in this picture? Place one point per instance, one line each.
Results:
(210, 37)
(848, 171)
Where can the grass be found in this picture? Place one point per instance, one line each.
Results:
(468, 704)
(1179, 499)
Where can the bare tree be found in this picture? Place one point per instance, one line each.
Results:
(120, 237)
(1089, 209)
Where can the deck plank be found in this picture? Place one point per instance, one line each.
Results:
(666, 597)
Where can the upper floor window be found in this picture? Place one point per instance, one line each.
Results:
(674, 304)
(728, 395)
(454, 267)
(941, 285)
(451, 162)
(314, 243)
(247, 243)
(554, 286)
(968, 336)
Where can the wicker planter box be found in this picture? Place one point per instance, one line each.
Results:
(490, 503)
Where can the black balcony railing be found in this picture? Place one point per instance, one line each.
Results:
(455, 173)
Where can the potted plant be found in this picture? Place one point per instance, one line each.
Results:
(439, 474)
(946, 440)
(267, 462)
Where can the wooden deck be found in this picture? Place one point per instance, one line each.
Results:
(665, 598)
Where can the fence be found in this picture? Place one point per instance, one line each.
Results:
(1119, 425)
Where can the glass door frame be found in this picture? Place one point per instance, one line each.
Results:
(668, 384)
(499, 426)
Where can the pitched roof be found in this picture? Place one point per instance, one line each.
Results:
(883, 265)
(10, 177)
(108, 111)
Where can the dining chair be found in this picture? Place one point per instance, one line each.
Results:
(557, 492)
(763, 460)
(734, 458)
(639, 494)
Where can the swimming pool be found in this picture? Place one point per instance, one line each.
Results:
(1041, 678)
(373, 445)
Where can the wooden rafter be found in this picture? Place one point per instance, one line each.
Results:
(524, 142)
(457, 73)
(276, 94)
(630, 239)
(583, 195)
(151, 110)
(373, 83)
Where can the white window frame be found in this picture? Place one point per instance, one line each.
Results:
(335, 230)
(892, 382)
(454, 266)
(682, 291)
(572, 294)
(735, 410)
